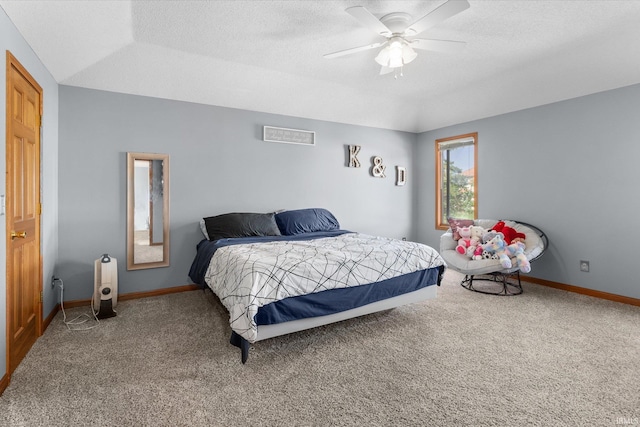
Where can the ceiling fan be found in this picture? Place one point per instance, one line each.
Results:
(397, 49)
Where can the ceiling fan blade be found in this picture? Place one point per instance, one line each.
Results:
(436, 16)
(367, 19)
(447, 46)
(353, 50)
(385, 70)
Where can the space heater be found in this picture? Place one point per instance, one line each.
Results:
(105, 287)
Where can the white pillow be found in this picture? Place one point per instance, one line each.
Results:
(203, 227)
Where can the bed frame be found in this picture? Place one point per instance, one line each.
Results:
(271, 331)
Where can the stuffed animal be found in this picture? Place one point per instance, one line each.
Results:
(498, 246)
(486, 237)
(476, 234)
(465, 239)
(474, 251)
(489, 235)
(510, 234)
(488, 254)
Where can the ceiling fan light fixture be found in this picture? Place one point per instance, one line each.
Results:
(396, 54)
(383, 57)
(408, 54)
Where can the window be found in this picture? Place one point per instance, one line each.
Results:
(456, 178)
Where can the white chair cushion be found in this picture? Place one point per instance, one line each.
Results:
(534, 246)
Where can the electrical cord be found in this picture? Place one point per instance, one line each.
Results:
(73, 324)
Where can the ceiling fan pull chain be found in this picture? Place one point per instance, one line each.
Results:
(395, 72)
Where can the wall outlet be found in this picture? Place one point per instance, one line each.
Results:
(584, 266)
(55, 280)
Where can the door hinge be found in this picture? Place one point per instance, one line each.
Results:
(39, 208)
(41, 296)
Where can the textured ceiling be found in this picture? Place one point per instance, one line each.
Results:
(267, 55)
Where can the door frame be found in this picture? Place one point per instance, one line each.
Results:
(12, 61)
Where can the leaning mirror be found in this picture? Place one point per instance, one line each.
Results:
(147, 210)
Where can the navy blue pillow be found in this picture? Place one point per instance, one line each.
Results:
(306, 221)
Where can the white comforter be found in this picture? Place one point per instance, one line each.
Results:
(248, 276)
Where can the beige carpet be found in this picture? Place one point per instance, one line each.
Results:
(545, 357)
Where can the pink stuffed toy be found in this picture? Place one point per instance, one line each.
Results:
(470, 242)
(465, 239)
(477, 253)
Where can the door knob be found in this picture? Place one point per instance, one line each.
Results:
(19, 234)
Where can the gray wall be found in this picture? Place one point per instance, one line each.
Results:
(572, 169)
(10, 39)
(218, 164)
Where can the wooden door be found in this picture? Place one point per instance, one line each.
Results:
(24, 264)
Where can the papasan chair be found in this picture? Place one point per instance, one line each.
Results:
(488, 276)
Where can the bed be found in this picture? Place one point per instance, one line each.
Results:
(279, 273)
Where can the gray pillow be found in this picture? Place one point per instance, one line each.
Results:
(240, 225)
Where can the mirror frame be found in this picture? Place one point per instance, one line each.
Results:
(131, 158)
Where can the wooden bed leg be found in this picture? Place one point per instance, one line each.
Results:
(242, 344)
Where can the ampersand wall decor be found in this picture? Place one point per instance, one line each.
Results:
(377, 169)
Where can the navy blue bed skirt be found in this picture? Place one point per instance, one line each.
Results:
(342, 299)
